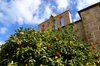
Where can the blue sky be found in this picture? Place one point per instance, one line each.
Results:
(30, 13)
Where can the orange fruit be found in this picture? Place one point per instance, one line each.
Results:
(82, 45)
(70, 49)
(93, 47)
(48, 46)
(55, 39)
(97, 57)
(97, 62)
(71, 42)
(40, 44)
(57, 53)
(20, 32)
(20, 43)
(15, 38)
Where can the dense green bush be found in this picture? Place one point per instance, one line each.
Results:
(54, 47)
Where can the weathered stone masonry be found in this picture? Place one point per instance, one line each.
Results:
(89, 24)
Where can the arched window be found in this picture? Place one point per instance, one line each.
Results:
(61, 21)
(43, 26)
(48, 24)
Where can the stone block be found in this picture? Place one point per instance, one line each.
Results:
(96, 9)
(91, 24)
(90, 40)
(97, 42)
(86, 26)
(85, 13)
(97, 33)
(89, 35)
(98, 19)
(96, 23)
(93, 29)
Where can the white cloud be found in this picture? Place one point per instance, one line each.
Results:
(7, 36)
(47, 11)
(3, 30)
(62, 4)
(85, 3)
(81, 4)
(77, 17)
(1, 42)
(24, 12)
(53, 7)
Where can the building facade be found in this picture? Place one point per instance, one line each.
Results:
(89, 23)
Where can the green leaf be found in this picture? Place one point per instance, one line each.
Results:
(30, 61)
(21, 28)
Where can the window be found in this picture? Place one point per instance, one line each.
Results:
(48, 24)
(61, 21)
(43, 26)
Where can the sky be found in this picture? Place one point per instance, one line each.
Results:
(30, 13)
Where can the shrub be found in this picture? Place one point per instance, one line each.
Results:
(54, 47)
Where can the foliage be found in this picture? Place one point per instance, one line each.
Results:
(54, 47)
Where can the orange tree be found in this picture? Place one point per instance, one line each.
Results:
(54, 47)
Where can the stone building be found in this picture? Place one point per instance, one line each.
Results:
(89, 23)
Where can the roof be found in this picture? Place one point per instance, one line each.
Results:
(88, 7)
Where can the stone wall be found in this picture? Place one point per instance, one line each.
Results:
(89, 24)
(81, 32)
(48, 23)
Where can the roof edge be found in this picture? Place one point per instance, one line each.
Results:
(43, 22)
(72, 22)
(98, 3)
(64, 12)
(89, 7)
